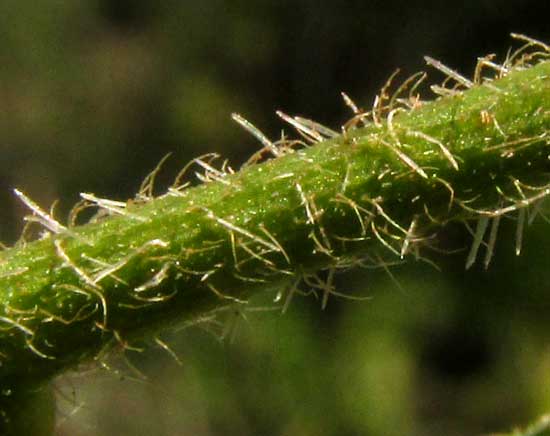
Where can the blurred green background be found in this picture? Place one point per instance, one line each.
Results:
(94, 93)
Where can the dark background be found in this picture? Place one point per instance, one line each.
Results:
(95, 93)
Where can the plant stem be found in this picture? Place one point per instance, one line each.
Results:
(374, 193)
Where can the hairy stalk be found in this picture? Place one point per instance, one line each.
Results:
(375, 193)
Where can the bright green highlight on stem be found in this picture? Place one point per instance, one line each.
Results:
(375, 193)
(539, 428)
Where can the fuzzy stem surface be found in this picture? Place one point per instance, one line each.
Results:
(375, 193)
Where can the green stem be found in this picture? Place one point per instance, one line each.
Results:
(374, 193)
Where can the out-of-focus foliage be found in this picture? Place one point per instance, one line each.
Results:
(95, 93)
